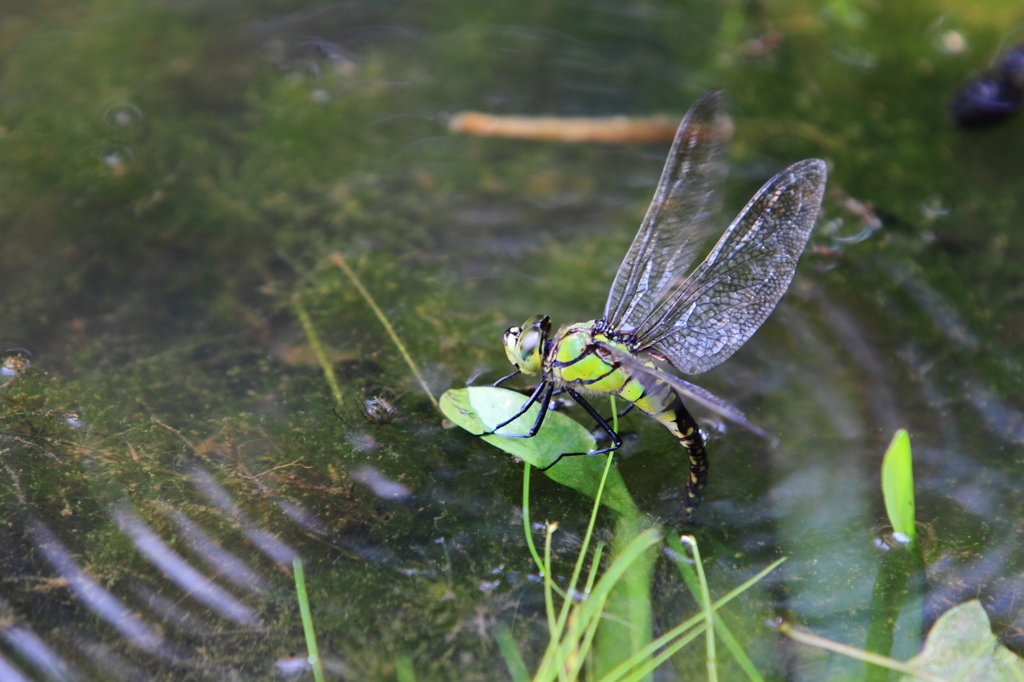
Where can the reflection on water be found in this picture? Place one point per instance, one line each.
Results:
(172, 176)
(99, 600)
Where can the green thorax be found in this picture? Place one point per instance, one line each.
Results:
(577, 357)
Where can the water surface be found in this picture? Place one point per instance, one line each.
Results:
(175, 177)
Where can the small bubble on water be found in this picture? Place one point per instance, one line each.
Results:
(488, 586)
(14, 361)
(886, 541)
(952, 42)
(114, 161)
(122, 115)
(292, 666)
(933, 208)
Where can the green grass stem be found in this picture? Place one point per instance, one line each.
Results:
(682, 634)
(403, 668)
(307, 621)
(513, 659)
(689, 576)
(705, 602)
(339, 260)
(318, 348)
(549, 531)
(555, 656)
(734, 647)
(527, 526)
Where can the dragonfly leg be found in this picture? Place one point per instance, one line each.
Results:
(601, 421)
(626, 411)
(505, 378)
(528, 390)
(605, 426)
(544, 403)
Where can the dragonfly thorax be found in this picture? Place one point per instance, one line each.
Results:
(524, 346)
(581, 355)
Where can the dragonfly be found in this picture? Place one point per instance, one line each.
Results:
(661, 311)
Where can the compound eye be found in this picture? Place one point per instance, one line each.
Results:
(524, 345)
(511, 336)
(511, 342)
(528, 344)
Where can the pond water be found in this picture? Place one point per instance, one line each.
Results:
(174, 178)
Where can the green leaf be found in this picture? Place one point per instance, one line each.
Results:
(513, 659)
(961, 646)
(478, 409)
(898, 485)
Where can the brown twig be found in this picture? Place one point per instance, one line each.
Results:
(609, 130)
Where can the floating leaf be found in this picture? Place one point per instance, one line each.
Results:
(898, 485)
(478, 409)
(961, 646)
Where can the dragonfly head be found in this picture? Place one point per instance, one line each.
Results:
(524, 345)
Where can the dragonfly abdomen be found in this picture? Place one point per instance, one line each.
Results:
(673, 415)
(662, 402)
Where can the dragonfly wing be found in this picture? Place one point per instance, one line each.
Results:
(681, 216)
(727, 297)
(686, 390)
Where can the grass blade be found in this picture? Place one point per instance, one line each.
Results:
(692, 581)
(307, 621)
(513, 659)
(678, 637)
(705, 603)
(318, 348)
(339, 260)
(403, 668)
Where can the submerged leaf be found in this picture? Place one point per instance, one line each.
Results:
(478, 409)
(961, 646)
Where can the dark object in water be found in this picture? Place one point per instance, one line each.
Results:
(378, 410)
(985, 101)
(993, 96)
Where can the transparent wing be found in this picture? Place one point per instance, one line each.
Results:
(681, 216)
(686, 390)
(727, 297)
